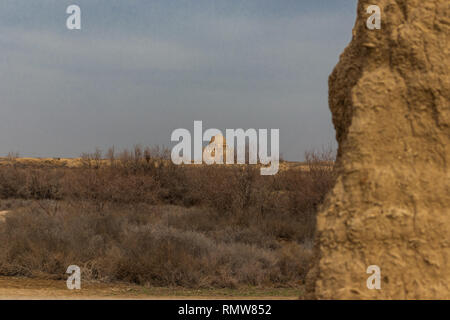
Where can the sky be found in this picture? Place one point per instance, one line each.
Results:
(139, 69)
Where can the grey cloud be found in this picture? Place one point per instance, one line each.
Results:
(64, 93)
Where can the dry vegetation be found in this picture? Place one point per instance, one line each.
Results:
(137, 218)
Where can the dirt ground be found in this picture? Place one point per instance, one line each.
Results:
(12, 288)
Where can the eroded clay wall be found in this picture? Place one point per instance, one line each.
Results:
(390, 99)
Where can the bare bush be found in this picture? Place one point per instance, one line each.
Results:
(139, 218)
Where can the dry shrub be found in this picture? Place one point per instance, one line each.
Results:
(136, 217)
(109, 245)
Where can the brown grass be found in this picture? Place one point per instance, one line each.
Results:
(137, 218)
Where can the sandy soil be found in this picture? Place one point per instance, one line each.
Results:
(12, 288)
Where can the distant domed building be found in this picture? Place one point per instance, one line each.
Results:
(218, 142)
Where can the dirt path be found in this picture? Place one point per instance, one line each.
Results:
(12, 288)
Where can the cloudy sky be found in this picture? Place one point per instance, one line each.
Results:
(140, 69)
